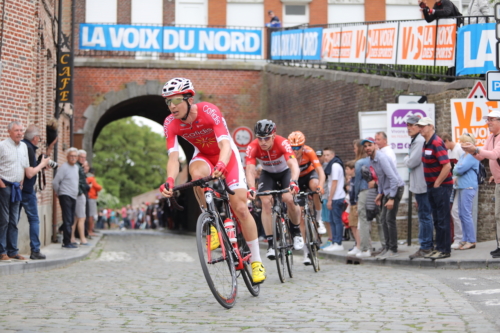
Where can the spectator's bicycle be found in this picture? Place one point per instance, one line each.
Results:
(220, 260)
(313, 239)
(282, 238)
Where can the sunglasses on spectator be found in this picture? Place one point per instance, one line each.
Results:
(489, 120)
(175, 101)
(264, 138)
(297, 147)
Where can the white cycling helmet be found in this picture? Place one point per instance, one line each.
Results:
(177, 86)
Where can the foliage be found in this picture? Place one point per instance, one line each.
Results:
(129, 159)
(107, 200)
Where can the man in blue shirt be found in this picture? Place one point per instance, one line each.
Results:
(390, 192)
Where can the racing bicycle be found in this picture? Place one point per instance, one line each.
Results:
(313, 239)
(222, 264)
(282, 236)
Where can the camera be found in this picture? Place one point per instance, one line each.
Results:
(51, 163)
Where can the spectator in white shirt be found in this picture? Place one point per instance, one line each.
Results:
(381, 142)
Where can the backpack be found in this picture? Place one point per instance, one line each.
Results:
(481, 175)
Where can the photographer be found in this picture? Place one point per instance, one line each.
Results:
(29, 202)
(441, 9)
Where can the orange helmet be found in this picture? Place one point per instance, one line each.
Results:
(296, 139)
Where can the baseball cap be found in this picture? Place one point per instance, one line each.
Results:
(319, 153)
(413, 119)
(493, 114)
(425, 121)
(368, 139)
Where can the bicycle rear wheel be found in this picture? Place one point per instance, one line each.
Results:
(279, 246)
(217, 265)
(312, 237)
(246, 272)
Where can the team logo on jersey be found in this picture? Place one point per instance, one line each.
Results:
(197, 133)
(212, 113)
(167, 122)
(205, 142)
(287, 146)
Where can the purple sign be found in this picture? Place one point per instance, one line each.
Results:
(399, 117)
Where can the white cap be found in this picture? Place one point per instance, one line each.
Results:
(493, 114)
(425, 121)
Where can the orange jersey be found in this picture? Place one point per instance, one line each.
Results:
(308, 162)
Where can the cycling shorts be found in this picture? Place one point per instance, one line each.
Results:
(235, 174)
(304, 181)
(274, 181)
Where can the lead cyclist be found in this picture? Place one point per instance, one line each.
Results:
(203, 126)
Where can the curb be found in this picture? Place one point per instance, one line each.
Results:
(29, 266)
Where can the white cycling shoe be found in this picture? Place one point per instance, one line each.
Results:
(321, 227)
(298, 242)
(271, 255)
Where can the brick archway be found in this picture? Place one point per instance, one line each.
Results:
(134, 100)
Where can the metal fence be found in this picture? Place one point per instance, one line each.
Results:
(431, 73)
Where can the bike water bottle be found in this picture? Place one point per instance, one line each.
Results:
(230, 231)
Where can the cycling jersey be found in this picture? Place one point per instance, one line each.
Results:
(204, 133)
(272, 160)
(308, 162)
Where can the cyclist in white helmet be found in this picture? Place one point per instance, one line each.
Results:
(215, 153)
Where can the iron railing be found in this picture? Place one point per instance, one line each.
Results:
(431, 73)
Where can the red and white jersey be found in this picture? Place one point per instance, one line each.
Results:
(204, 133)
(272, 160)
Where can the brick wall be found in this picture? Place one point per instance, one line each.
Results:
(217, 12)
(375, 10)
(326, 111)
(168, 12)
(124, 12)
(318, 12)
(236, 93)
(276, 6)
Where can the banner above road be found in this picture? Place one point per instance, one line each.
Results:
(476, 49)
(298, 44)
(170, 39)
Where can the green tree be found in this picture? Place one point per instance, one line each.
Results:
(129, 159)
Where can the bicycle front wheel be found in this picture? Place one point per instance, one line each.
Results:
(216, 261)
(279, 246)
(289, 246)
(311, 239)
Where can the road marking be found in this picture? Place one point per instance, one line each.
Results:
(114, 256)
(467, 278)
(469, 284)
(492, 302)
(176, 257)
(483, 292)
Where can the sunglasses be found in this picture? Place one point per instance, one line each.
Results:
(297, 147)
(175, 101)
(265, 138)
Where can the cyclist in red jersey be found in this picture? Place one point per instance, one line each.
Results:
(311, 178)
(203, 126)
(275, 155)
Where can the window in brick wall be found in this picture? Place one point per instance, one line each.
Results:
(148, 12)
(100, 11)
(295, 14)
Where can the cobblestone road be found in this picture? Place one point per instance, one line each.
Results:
(154, 283)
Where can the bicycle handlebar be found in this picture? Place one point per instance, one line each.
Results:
(199, 182)
(261, 194)
(304, 194)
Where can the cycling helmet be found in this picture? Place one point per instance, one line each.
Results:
(177, 86)
(297, 139)
(264, 127)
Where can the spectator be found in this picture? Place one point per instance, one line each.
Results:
(66, 187)
(93, 194)
(327, 155)
(14, 163)
(441, 9)
(335, 204)
(491, 151)
(353, 208)
(275, 21)
(381, 142)
(466, 184)
(454, 153)
(29, 202)
(390, 192)
(413, 161)
(361, 187)
(81, 200)
(100, 220)
(439, 185)
(479, 8)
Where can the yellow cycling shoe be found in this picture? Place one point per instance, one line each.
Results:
(258, 272)
(214, 238)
